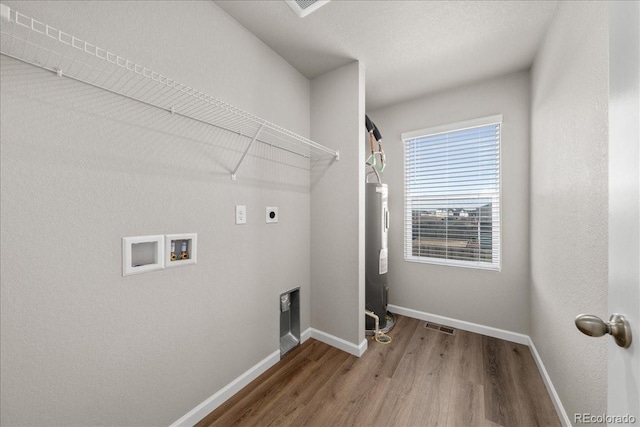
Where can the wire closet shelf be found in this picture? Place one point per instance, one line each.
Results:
(36, 43)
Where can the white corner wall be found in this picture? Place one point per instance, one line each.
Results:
(495, 299)
(337, 206)
(81, 168)
(569, 202)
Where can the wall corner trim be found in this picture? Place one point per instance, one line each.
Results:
(339, 343)
(562, 414)
(210, 404)
(495, 333)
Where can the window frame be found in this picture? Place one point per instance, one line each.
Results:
(496, 264)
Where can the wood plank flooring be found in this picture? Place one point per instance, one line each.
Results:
(423, 378)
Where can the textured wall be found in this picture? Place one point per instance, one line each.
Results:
(337, 205)
(497, 299)
(569, 201)
(81, 168)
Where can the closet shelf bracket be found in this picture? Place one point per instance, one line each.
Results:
(233, 174)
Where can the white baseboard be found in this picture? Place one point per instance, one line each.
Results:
(305, 335)
(562, 414)
(209, 405)
(495, 333)
(461, 324)
(339, 343)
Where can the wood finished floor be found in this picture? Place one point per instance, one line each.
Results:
(423, 378)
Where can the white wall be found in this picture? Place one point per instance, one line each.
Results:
(81, 168)
(497, 299)
(569, 199)
(337, 206)
(624, 202)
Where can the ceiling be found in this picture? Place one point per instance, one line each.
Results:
(408, 48)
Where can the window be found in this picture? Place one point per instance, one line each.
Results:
(452, 194)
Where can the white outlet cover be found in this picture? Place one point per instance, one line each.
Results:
(271, 215)
(241, 214)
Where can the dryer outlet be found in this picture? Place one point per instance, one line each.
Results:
(271, 215)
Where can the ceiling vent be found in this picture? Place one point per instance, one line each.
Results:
(305, 7)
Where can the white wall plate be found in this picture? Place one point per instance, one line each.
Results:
(271, 216)
(142, 254)
(241, 214)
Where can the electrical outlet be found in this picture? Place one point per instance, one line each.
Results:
(271, 215)
(241, 214)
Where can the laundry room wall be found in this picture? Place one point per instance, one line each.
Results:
(569, 201)
(337, 208)
(82, 168)
(488, 298)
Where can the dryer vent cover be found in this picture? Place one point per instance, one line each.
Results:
(305, 7)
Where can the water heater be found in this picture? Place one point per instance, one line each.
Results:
(376, 252)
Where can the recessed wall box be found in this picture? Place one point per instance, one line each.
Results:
(289, 320)
(142, 254)
(181, 249)
(271, 215)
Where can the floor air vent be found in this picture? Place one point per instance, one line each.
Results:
(440, 328)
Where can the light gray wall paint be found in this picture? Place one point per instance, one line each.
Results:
(337, 205)
(81, 168)
(569, 199)
(497, 299)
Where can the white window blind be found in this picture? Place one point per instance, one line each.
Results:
(452, 194)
